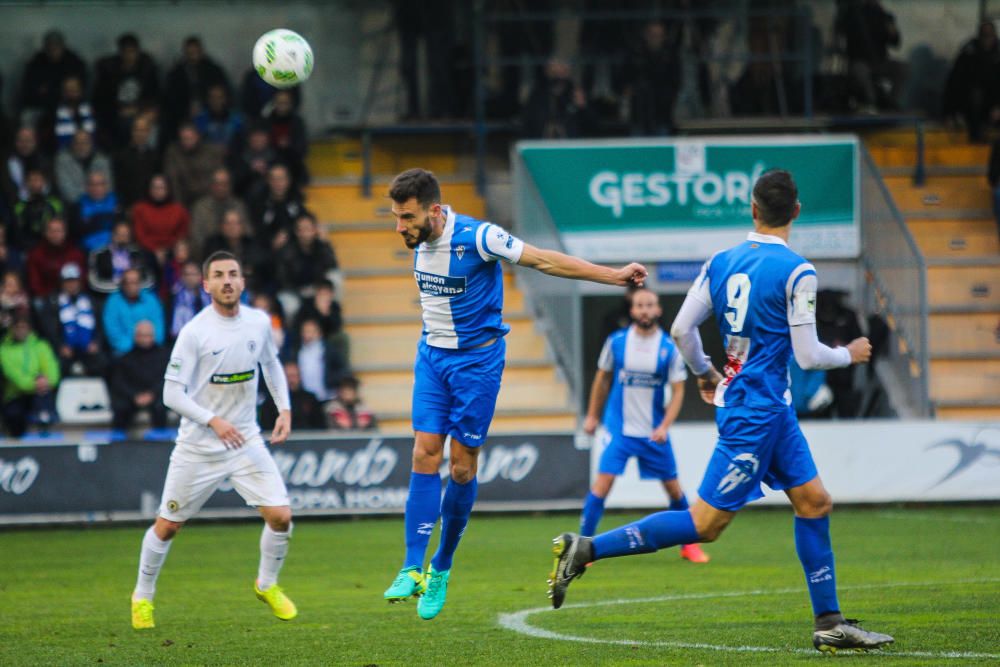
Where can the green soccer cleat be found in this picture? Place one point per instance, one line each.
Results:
(142, 614)
(408, 583)
(849, 636)
(279, 603)
(432, 602)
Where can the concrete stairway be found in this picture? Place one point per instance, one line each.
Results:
(951, 219)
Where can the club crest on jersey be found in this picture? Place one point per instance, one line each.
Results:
(173, 505)
(252, 346)
(460, 251)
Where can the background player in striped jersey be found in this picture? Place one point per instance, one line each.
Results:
(644, 374)
(763, 297)
(211, 382)
(460, 360)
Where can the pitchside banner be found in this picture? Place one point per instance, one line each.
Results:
(860, 462)
(326, 475)
(685, 199)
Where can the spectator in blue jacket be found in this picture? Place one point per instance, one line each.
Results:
(96, 212)
(126, 308)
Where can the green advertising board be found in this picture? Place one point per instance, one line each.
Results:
(685, 199)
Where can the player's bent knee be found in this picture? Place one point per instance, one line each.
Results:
(165, 529)
(278, 518)
(463, 473)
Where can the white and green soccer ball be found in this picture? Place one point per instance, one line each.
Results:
(283, 58)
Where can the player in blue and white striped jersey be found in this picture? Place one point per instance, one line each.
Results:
(460, 360)
(639, 385)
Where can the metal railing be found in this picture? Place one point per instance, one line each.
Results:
(895, 287)
(556, 303)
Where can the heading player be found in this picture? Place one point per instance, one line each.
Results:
(763, 296)
(644, 374)
(459, 362)
(211, 381)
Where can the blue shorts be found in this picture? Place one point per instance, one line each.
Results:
(755, 446)
(455, 391)
(656, 461)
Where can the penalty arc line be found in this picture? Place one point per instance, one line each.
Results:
(518, 621)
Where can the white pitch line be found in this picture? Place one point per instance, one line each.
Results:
(943, 519)
(518, 621)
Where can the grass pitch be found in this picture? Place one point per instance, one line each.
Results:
(931, 577)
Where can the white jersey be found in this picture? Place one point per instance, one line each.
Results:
(216, 360)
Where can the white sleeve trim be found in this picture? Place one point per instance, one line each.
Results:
(494, 242)
(800, 295)
(606, 362)
(810, 354)
(685, 333)
(176, 398)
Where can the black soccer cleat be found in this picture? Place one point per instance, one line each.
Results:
(849, 636)
(572, 553)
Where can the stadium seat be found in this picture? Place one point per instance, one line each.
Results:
(83, 401)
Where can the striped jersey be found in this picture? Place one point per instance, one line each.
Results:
(642, 368)
(757, 290)
(461, 282)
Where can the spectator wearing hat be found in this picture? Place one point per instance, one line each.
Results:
(43, 77)
(68, 320)
(136, 380)
(346, 411)
(126, 308)
(31, 375)
(48, 257)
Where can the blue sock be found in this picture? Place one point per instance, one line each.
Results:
(423, 507)
(455, 510)
(656, 531)
(679, 504)
(812, 543)
(593, 510)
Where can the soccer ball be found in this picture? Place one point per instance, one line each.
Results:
(283, 58)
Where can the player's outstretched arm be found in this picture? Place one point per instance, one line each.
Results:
(599, 390)
(561, 265)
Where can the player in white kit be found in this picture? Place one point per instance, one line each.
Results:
(211, 382)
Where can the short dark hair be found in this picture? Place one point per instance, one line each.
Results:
(776, 195)
(418, 183)
(219, 256)
(127, 40)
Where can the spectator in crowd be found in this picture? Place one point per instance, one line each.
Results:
(249, 165)
(321, 365)
(653, 79)
(189, 164)
(127, 81)
(867, 31)
(48, 257)
(159, 221)
(188, 83)
(136, 380)
(25, 157)
(207, 212)
(68, 320)
(43, 77)
(74, 162)
(73, 114)
(137, 163)
(256, 95)
(108, 264)
(993, 177)
(95, 213)
(556, 107)
(288, 135)
(189, 297)
(218, 122)
(33, 213)
(233, 237)
(307, 412)
(126, 308)
(31, 375)
(324, 309)
(170, 276)
(11, 257)
(275, 209)
(270, 305)
(973, 86)
(14, 300)
(306, 259)
(837, 325)
(346, 412)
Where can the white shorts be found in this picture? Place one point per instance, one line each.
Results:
(190, 483)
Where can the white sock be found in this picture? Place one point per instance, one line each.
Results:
(273, 549)
(154, 552)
